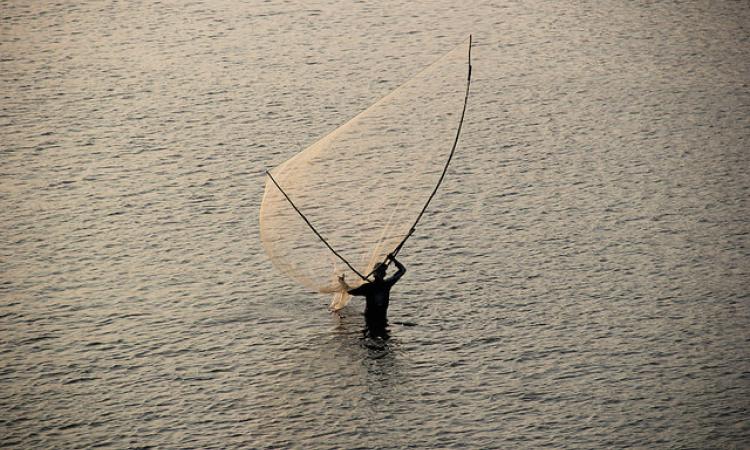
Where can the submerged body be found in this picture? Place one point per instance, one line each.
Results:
(377, 297)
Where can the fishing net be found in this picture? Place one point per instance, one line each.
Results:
(363, 185)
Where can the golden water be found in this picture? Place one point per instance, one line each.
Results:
(581, 280)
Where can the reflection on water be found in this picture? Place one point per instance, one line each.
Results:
(376, 355)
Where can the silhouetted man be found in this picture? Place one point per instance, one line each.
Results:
(377, 295)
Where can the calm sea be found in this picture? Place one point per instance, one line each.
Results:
(582, 280)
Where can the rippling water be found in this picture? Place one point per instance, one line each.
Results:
(581, 281)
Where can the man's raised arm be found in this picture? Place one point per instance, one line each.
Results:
(399, 273)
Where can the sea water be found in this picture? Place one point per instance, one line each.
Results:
(580, 281)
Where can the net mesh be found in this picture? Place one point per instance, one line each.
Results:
(363, 185)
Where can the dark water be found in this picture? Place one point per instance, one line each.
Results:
(581, 281)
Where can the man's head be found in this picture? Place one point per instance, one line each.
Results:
(379, 271)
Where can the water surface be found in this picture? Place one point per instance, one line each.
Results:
(581, 281)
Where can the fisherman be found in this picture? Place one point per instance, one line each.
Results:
(377, 293)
